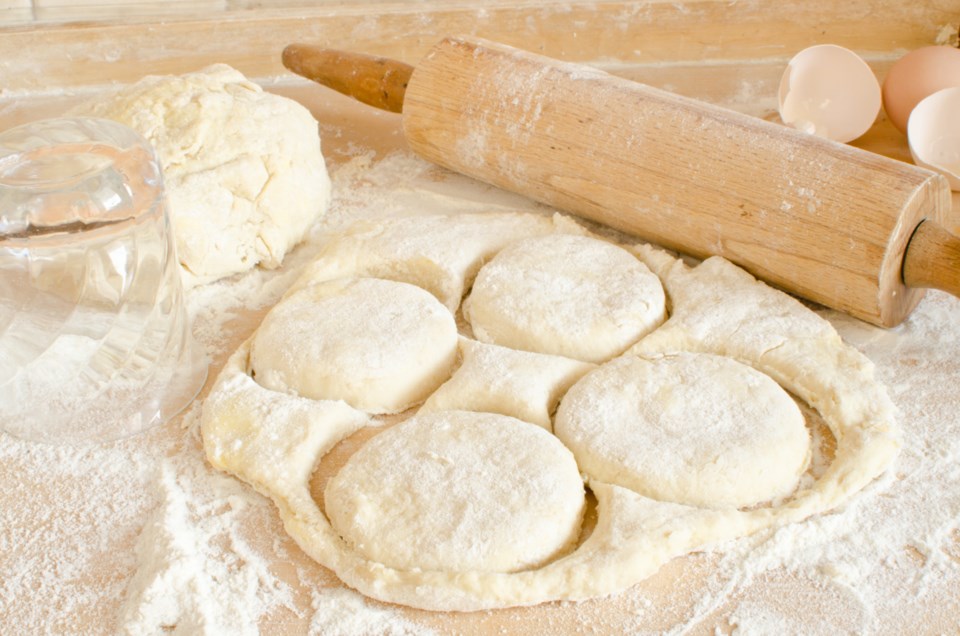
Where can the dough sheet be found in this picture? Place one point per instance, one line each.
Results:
(721, 323)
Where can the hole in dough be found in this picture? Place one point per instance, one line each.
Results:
(459, 491)
(695, 429)
(381, 346)
(823, 444)
(566, 295)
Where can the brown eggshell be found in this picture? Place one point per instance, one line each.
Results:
(916, 75)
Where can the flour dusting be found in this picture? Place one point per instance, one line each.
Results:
(195, 574)
(343, 612)
(142, 536)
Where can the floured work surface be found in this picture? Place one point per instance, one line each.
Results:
(145, 533)
(475, 501)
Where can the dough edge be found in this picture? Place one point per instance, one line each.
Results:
(634, 535)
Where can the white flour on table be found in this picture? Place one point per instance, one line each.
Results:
(143, 537)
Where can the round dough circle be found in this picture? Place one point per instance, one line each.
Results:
(695, 429)
(381, 346)
(459, 491)
(566, 295)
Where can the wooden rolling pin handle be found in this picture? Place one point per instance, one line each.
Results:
(932, 259)
(377, 81)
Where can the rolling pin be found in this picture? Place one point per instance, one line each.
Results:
(835, 224)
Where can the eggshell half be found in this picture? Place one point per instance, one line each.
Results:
(829, 91)
(933, 131)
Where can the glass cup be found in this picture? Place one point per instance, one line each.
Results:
(95, 344)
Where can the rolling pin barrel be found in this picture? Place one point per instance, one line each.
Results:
(823, 220)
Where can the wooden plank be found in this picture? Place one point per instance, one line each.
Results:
(15, 12)
(730, 53)
(56, 57)
(55, 11)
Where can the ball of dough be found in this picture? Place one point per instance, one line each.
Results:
(381, 346)
(243, 170)
(567, 295)
(458, 491)
(695, 429)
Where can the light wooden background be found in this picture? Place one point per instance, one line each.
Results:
(729, 52)
(34, 12)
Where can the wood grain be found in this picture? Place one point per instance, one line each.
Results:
(47, 57)
(820, 219)
(375, 81)
(933, 259)
(723, 52)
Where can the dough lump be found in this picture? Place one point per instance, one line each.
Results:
(243, 170)
(381, 346)
(695, 429)
(567, 295)
(457, 491)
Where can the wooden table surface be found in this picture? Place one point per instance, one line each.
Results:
(727, 53)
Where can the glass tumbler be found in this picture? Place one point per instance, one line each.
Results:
(95, 344)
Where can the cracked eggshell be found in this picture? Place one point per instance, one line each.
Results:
(916, 75)
(829, 91)
(933, 131)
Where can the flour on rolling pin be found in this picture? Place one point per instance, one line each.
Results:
(820, 219)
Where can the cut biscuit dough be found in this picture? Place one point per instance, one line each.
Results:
(716, 308)
(568, 295)
(379, 345)
(459, 491)
(695, 429)
(494, 379)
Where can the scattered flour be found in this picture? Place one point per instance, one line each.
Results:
(142, 537)
(195, 574)
(339, 611)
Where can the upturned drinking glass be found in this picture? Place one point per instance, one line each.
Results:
(95, 343)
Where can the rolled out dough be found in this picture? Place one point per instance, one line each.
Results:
(494, 379)
(440, 254)
(720, 316)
